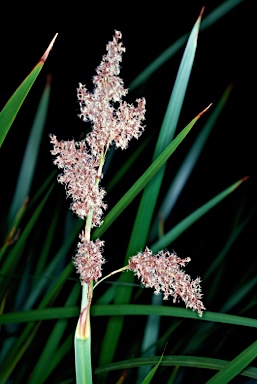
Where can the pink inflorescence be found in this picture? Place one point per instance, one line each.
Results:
(163, 273)
(79, 176)
(113, 119)
(88, 260)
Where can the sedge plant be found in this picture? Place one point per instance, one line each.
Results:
(39, 295)
(114, 122)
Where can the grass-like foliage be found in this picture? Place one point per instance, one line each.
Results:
(172, 332)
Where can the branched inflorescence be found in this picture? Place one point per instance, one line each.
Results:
(111, 124)
(113, 121)
(79, 176)
(163, 272)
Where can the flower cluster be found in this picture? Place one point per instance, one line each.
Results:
(88, 260)
(79, 176)
(163, 273)
(120, 124)
(82, 161)
(113, 121)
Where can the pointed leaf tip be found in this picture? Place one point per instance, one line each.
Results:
(48, 79)
(245, 178)
(50, 46)
(201, 113)
(201, 13)
(241, 181)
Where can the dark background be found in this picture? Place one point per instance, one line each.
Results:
(225, 55)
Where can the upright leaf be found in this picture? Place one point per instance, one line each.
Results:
(210, 19)
(187, 166)
(29, 161)
(150, 194)
(10, 110)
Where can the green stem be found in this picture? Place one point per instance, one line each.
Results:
(83, 339)
(83, 331)
(112, 273)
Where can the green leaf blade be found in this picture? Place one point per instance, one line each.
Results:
(30, 157)
(234, 367)
(144, 179)
(175, 232)
(13, 105)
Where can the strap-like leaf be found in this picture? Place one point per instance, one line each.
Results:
(10, 110)
(29, 161)
(148, 201)
(187, 166)
(145, 178)
(234, 367)
(175, 232)
(147, 204)
(208, 20)
(177, 361)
